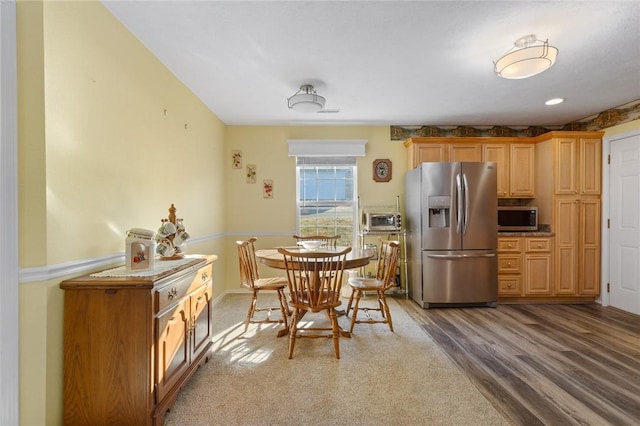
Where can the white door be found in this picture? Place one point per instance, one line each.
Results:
(624, 232)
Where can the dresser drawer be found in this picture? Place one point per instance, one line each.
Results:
(178, 289)
(509, 264)
(509, 245)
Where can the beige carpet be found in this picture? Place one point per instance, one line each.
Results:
(399, 378)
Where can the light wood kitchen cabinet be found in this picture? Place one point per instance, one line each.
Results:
(499, 154)
(578, 166)
(567, 227)
(131, 343)
(570, 196)
(522, 166)
(509, 266)
(578, 246)
(465, 152)
(538, 267)
(421, 152)
(515, 159)
(516, 168)
(589, 245)
(525, 266)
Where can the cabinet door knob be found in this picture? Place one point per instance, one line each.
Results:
(508, 263)
(509, 245)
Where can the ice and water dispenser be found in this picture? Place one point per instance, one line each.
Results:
(439, 211)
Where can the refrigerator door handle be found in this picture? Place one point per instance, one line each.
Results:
(459, 195)
(459, 256)
(466, 203)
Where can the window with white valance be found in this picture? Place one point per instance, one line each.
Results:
(326, 187)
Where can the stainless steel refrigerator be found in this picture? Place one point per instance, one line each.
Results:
(452, 236)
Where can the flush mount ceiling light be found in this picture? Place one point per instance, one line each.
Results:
(528, 57)
(306, 100)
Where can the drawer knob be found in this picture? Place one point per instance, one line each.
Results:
(509, 245)
(172, 293)
(508, 263)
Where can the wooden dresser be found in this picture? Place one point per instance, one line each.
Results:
(131, 343)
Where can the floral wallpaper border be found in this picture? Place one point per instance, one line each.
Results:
(608, 118)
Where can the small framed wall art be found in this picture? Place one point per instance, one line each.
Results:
(251, 173)
(382, 170)
(236, 159)
(267, 188)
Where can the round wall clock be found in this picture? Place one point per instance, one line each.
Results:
(382, 170)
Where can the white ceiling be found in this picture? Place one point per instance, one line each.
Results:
(392, 62)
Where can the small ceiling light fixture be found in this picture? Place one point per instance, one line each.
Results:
(306, 100)
(528, 57)
(554, 101)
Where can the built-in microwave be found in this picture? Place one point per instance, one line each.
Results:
(380, 221)
(517, 218)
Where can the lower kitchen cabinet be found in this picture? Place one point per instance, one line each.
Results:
(578, 245)
(509, 285)
(525, 267)
(538, 267)
(510, 266)
(131, 343)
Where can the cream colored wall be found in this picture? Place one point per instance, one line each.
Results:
(31, 130)
(273, 221)
(130, 140)
(108, 139)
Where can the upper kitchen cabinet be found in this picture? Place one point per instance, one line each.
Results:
(522, 161)
(516, 168)
(567, 164)
(499, 154)
(462, 152)
(423, 150)
(427, 150)
(578, 167)
(514, 157)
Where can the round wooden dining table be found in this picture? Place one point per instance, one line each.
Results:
(274, 259)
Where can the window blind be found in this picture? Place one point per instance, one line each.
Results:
(325, 161)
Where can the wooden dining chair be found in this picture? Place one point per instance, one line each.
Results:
(331, 241)
(315, 281)
(250, 278)
(383, 280)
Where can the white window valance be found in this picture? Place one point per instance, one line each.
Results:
(327, 148)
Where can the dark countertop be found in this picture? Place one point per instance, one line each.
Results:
(526, 234)
(543, 231)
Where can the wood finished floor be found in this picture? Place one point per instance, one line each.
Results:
(545, 364)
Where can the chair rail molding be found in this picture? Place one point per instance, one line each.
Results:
(87, 265)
